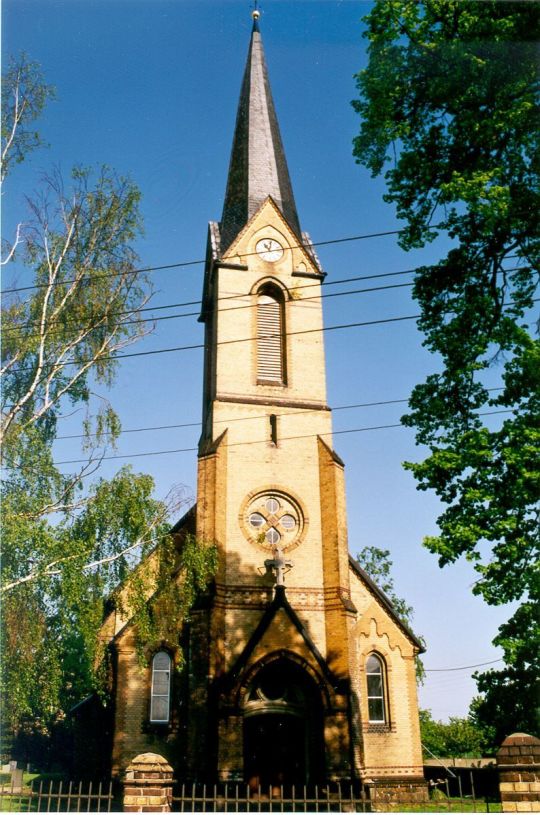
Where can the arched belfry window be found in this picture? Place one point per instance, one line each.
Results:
(270, 339)
(161, 687)
(376, 695)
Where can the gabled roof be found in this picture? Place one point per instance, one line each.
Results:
(385, 601)
(258, 167)
(280, 602)
(184, 526)
(302, 242)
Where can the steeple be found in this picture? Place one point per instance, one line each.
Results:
(258, 167)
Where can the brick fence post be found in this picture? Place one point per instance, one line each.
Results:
(148, 784)
(518, 763)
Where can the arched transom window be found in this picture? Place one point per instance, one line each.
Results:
(377, 703)
(270, 344)
(161, 687)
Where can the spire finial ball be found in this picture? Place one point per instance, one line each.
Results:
(256, 14)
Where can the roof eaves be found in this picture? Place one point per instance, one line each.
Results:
(386, 602)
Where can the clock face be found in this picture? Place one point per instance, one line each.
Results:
(269, 249)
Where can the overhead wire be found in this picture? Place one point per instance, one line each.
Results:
(117, 456)
(463, 667)
(250, 305)
(240, 418)
(196, 346)
(182, 264)
(253, 338)
(232, 419)
(234, 308)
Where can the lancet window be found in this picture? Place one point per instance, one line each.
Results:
(161, 687)
(376, 690)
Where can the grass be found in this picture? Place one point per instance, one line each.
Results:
(22, 803)
(450, 805)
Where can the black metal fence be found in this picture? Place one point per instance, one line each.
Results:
(231, 797)
(61, 796)
(69, 796)
(331, 797)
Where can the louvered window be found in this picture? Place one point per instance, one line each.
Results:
(270, 366)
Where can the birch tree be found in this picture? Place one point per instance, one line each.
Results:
(69, 537)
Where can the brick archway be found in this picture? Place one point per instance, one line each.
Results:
(283, 726)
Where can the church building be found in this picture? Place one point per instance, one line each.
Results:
(298, 668)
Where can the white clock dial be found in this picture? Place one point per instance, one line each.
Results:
(270, 250)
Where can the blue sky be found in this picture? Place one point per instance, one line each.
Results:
(150, 87)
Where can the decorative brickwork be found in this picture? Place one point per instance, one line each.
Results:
(518, 762)
(148, 784)
(270, 485)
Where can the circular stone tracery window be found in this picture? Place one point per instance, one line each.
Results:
(271, 519)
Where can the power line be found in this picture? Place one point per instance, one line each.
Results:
(196, 346)
(357, 278)
(234, 308)
(187, 263)
(146, 269)
(233, 444)
(117, 456)
(231, 419)
(463, 667)
(223, 342)
(238, 419)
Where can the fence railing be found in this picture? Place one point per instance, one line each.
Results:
(69, 796)
(61, 796)
(442, 797)
(231, 797)
(331, 797)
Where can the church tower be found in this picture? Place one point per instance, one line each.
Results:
(298, 669)
(285, 655)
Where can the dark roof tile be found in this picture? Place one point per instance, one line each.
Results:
(258, 167)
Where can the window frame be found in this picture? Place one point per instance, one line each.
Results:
(153, 694)
(383, 696)
(275, 293)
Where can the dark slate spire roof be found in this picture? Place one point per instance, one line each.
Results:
(258, 167)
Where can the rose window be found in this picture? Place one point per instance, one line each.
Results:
(273, 520)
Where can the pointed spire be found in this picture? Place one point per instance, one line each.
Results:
(258, 167)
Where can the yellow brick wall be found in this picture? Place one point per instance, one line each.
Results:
(238, 460)
(398, 745)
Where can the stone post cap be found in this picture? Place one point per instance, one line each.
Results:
(149, 763)
(519, 749)
(519, 740)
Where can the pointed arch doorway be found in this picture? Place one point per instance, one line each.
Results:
(283, 732)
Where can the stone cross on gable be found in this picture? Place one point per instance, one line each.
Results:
(279, 565)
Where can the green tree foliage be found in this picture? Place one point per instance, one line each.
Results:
(24, 96)
(457, 738)
(509, 700)
(449, 102)
(70, 537)
(378, 564)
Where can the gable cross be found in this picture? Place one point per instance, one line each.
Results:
(279, 565)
